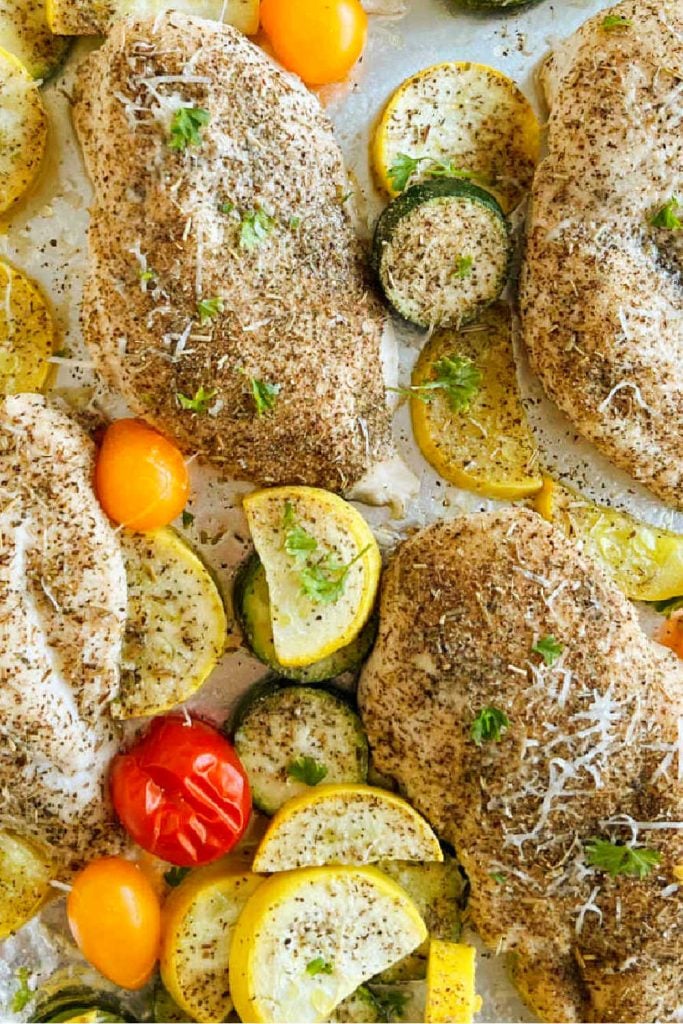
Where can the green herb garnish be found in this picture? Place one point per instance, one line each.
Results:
(489, 725)
(264, 394)
(307, 770)
(148, 275)
(456, 376)
(615, 21)
(463, 266)
(324, 581)
(393, 1003)
(439, 169)
(498, 877)
(666, 216)
(200, 402)
(294, 223)
(298, 543)
(318, 966)
(207, 309)
(549, 649)
(668, 606)
(22, 994)
(226, 207)
(255, 228)
(402, 170)
(616, 859)
(175, 875)
(185, 127)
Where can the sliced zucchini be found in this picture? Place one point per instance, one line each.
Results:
(176, 625)
(252, 603)
(95, 17)
(76, 1004)
(645, 562)
(23, 129)
(451, 995)
(322, 565)
(437, 891)
(459, 118)
(472, 428)
(199, 922)
(27, 334)
(361, 1007)
(345, 824)
(294, 738)
(25, 873)
(442, 252)
(24, 32)
(307, 939)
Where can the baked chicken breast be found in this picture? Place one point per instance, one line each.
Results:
(227, 299)
(497, 615)
(601, 295)
(62, 617)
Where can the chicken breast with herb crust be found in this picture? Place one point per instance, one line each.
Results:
(62, 617)
(601, 293)
(513, 696)
(227, 299)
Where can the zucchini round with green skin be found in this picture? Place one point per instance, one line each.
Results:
(441, 252)
(77, 1003)
(290, 738)
(252, 605)
(24, 32)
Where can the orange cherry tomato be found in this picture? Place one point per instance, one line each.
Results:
(320, 40)
(671, 634)
(115, 919)
(141, 478)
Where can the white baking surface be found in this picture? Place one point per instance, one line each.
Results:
(46, 237)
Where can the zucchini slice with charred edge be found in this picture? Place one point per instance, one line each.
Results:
(252, 604)
(292, 737)
(78, 1003)
(441, 252)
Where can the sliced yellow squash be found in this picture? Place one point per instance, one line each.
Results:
(646, 563)
(451, 995)
(322, 565)
(198, 923)
(463, 119)
(27, 333)
(345, 824)
(176, 625)
(95, 17)
(307, 939)
(473, 430)
(25, 874)
(25, 33)
(23, 129)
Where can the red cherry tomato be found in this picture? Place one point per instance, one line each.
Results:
(115, 919)
(181, 792)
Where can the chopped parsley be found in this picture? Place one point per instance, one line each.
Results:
(616, 859)
(186, 125)
(174, 876)
(22, 994)
(393, 1003)
(456, 376)
(668, 606)
(255, 228)
(498, 877)
(549, 649)
(298, 542)
(264, 394)
(615, 21)
(207, 309)
(318, 966)
(489, 725)
(148, 275)
(307, 770)
(294, 223)
(666, 216)
(200, 402)
(405, 166)
(463, 266)
(324, 581)
(226, 207)
(187, 519)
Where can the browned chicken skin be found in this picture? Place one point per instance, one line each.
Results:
(251, 213)
(592, 750)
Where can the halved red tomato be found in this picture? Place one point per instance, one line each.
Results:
(181, 791)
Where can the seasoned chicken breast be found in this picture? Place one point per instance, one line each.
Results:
(494, 619)
(62, 616)
(601, 296)
(227, 299)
